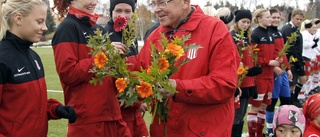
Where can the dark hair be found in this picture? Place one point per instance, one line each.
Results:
(274, 10)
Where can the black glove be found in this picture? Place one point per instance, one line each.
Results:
(254, 71)
(254, 92)
(237, 92)
(66, 112)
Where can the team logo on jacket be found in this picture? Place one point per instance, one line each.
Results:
(192, 53)
(21, 72)
(37, 64)
(263, 39)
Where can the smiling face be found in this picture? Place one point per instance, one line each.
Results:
(85, 5)
(122, 9)
(265, 20)
(32, 26)
(275, 19)
(173, 13)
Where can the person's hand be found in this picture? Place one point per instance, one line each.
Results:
(254, 71)
(290, 76)
(166, 93)
(143, 107)
(274, 63)
(278, 71)
(119, 47)
(280, 60)
(66, 112)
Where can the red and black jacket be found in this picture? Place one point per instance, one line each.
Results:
(92, 103)
(247, 60)
(24, 108)
(263, 38)
(279, 44)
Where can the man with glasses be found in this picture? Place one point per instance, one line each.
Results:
(204, 103)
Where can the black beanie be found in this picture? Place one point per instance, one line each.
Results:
(240, 14)
(308, 25)
(113, 4)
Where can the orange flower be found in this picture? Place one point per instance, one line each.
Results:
(256, 49)
(164, 64)
(144, 90)
(240, 70)
(121, 84)
(100, 60)
(149, 71)
(175, 49)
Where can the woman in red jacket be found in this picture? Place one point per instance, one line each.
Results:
(311, 110)
(267, 55)
(97, 106)
(24, 107)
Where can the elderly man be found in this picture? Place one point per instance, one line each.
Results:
(204, 104)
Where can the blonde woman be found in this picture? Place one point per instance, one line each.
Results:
(267, 59)
(24, 107)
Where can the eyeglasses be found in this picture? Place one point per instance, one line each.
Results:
(161, 5)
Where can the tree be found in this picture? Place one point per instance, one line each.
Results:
(51, 25)
(145, 20)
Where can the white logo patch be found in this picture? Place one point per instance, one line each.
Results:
(38, 66)
(192, 53)
(19, 70)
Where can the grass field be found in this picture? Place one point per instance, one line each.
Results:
(58, 128)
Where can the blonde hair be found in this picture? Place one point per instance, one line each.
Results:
(11, 7)
(302, 27)
(209, 10)
(237, 30)
(258, 14)
(222, 12)
(297, 12)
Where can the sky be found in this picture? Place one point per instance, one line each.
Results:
(249, 4)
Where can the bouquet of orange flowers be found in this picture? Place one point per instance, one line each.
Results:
(164, 63)
(253, 50)
(242, 72)
(104, 52)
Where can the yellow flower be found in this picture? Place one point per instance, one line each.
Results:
(100, 60)
(144, 89)
(121, 84)
(240, 70)
(175, 49)
(293, 59)
(164, 64)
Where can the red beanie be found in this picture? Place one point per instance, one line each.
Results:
(311, 108)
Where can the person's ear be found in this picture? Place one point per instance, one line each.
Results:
(186, 3)
(17, 19)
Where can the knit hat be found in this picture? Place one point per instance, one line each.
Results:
(311, 108)
(113, 4)
(291, 115)
(240, 14)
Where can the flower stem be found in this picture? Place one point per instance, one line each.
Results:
(154, 111)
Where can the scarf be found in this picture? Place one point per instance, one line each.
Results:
(80, 14)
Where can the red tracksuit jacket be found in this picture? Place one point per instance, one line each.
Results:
(204, 105)
(24, 108)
